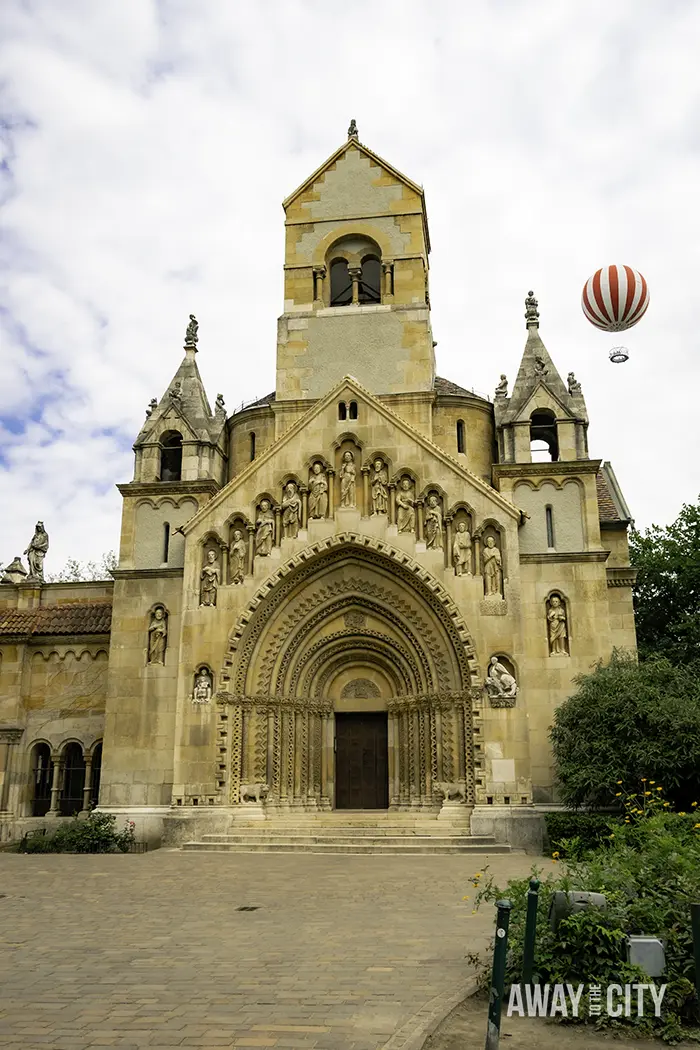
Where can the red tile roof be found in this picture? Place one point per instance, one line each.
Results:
(71, 618)
(606, 505)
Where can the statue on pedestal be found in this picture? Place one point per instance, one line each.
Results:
(36, 551)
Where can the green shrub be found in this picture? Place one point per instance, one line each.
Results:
(649, 871)
(95, 833)
(576, 833)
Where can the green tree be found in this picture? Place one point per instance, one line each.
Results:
(75, 571)
(667, 591)
(629, 720)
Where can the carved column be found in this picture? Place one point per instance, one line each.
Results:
(437, 763)
(286, 730)
(278, 526)
(365, 493)
(225, 578)
(270, 757)
(251, 548)
(424, 753)
(319, 274)
(87, 784)
(448, 531)
(326, 760)
(330, 474)
(387, 267)
(404, 759)
(355, 273)
(477, 553)
(419, 518)
(55, 786)
(236, 754)
(304, 506)
(275, 768)
(393, 759)
(10, 737)
(392, 503)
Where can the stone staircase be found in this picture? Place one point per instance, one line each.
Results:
(379, 832)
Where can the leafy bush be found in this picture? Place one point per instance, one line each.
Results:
(649, 871)
(587, 830)
(94, 834)
(629, 720)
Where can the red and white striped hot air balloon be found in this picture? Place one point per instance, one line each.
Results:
(615, 298)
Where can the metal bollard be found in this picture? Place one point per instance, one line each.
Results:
(498, 975)
(695, 924)
(530, 930)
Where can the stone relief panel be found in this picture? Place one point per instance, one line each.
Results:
(501, 685)
(157, 635)
(70, 681)
(557, 625)
(360, 689)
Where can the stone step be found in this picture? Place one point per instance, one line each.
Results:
(425, 847)
(279, 835)
(273, 830)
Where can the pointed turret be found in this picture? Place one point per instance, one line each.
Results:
(541, 406)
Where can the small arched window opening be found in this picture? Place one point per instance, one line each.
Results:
(370, 290)
(73, 780)
(460, 435)
(252, 445)
(549, 519)
(171, 456)
(166, 541)
(42, 775)
(353, 410)
(342, 410)
(341, 284)
(95, 774)
(544, 440)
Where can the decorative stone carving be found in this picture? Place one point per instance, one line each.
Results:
(238, 555)
(220, 404)
(353, 133)
(348, 476)
(15, 572)
(191, 336)
(433, 524)
(203, 687)
(291, 511)
(355, 619)
(531, 312)
(253, 792)
(152, 406)
(318, 492)
(360, 689)
(380, 489)
(176, 393)
(573, 385)
(36, 551)
(492, 562)
(540, 366)
(265, 529)
(462, 550)
(405, 506)
(210, 577)
(451, 792)
(157, 635)
(502, 387)
(501, 685)
(557, 627)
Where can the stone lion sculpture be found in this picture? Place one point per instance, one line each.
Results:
(254, 792)
(451, 791)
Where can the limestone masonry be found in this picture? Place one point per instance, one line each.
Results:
(366, 591)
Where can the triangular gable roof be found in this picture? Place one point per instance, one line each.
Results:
(331, 397)
(192, 406)
(529, 379)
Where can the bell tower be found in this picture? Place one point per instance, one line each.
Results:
(356, 280)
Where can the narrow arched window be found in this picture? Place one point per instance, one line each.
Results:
(460, 435)
(95, 774)
(42, 775)
(166, 541)
(353, 410)
(171, 456)
(544, 440)
(73, 780)
(252, 445)
(549, 519)
(342, 410)
(341, 284)
(370, 280)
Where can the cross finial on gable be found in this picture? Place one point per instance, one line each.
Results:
(353, 133)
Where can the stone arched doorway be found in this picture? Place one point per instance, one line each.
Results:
(355, 655)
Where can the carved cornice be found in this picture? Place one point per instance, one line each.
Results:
(145, 574)
(525, 470)
(169, 488)
(10, 734)
(621, 575)
(565, 556)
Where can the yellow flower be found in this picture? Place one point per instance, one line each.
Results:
(473, 911)
(696, 826)
(681, 813)
(465, 898)
(556, 854)
(627, 820)
(659, 788)
(652, 781)
(617, 794)
(694, 803)
(667, 804)
(477, 875)
(647, 792)
(644, 780)
(611, 836)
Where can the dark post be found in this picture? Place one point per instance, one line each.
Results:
(500, 948)
(695, 923)
(530, 930)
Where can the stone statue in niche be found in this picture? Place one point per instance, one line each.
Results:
(433, 524)
(210, 577)
(573, 385)
(502, 387)
(237, 557)
(36, 551)
(202, 687)
(492, 568)
(291, 511)
(380, 490)
(405, 506)
(157, 635)
(265, 530)
(500, 684)
(318, 492)
(557, 627)
(348, 475)
(462, 550)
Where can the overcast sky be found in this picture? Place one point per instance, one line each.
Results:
(147, 149)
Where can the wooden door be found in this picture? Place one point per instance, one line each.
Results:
(361, 761)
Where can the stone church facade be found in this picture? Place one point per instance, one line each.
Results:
(366, 591)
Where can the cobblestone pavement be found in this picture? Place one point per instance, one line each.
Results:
(342, 953)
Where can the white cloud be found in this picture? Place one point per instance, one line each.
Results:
(150, 144)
